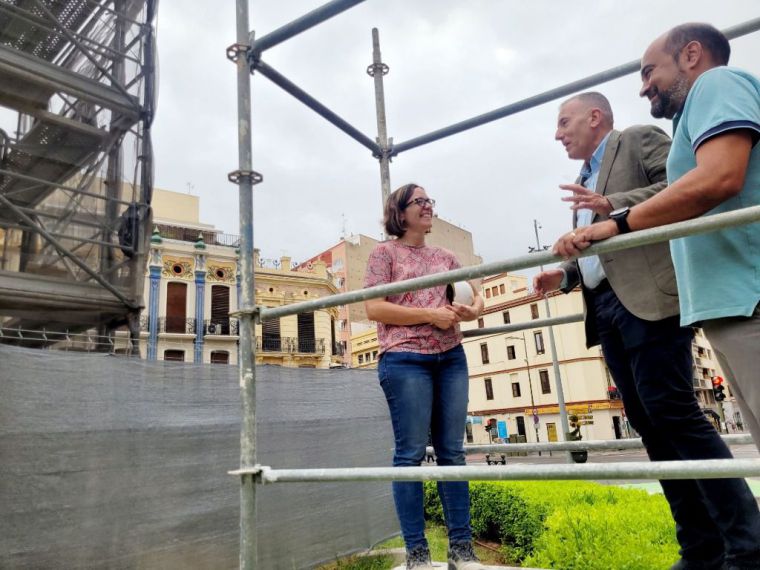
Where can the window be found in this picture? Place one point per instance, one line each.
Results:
(533, 310)
(516, 390)
(374, 355)
(220, 357)
(271, 341)
(489, 388)
(220, 310)
(502, 289)
(538, 337)
(488, 293)
(176, 304)
(511, 352)
(175, 355)
(505, 316)
(484, 353)
(361, 359)
(480, 323)
(307, 342)
(543, 375)
(494, 291)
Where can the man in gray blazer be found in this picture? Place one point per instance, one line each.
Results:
(631, 309)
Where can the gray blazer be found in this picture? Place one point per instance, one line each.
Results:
(632, 170)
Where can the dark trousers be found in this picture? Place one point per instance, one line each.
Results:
(651, 363)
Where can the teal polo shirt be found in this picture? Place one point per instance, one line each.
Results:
(718, 273)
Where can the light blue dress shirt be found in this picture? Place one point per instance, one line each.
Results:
(591, 268)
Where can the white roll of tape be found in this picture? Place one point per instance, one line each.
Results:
(463, 293)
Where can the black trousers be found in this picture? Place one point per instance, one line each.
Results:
(651, 363)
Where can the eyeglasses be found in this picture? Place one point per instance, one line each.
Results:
(421, 202)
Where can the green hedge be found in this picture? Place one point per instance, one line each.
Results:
(570, 525)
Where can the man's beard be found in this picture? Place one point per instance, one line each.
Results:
(669, 102)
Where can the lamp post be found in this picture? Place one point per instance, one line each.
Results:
(553, 347)
(530, 384)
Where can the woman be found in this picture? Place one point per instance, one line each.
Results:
(423, 372)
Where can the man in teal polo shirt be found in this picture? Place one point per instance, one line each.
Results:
(713, 167)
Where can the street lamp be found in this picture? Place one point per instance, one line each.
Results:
(530, 384)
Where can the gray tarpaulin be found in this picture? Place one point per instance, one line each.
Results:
(116, 462)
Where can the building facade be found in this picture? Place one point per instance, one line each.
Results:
(512, 380)
(192, 285)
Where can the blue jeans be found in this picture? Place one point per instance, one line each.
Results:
(427, 393)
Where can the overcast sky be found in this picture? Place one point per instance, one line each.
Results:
(449, 60)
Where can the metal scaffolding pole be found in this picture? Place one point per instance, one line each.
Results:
(303, 23)
(280, 80)
(556, 93)
(377, 70)
(702, 225)
(693, 469)
(245, 177)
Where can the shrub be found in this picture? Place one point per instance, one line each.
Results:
(570, 525)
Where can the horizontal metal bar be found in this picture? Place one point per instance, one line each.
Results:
(551, 95)
(69, 237)
(515, 327)
(699, 225)
(67, 188)
(66, 253)
(697, 469)
(278, 79)
(303, 23)
(599, 445)
(41, 73)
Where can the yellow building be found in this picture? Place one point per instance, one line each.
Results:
(192, 286)
(365, 349)
(512, 378)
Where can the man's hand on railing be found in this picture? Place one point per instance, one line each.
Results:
(573, 243)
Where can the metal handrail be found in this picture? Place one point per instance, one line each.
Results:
(692, 469)
(696, 226)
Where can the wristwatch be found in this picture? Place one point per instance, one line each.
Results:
(620, 217)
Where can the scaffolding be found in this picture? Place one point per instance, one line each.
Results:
(247, 54)
(76, 174)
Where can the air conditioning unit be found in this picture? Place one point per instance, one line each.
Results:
(215, 328)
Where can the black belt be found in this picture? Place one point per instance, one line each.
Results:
(603, 287)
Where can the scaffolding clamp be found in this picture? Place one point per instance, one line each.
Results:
(255, 313)
(374, 68)
(238, 176)
(234, 51)
(256, 471)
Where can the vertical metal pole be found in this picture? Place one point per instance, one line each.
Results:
(377, 70)
(553, 347)
(534, 417)
(248, 541)
(115, 156)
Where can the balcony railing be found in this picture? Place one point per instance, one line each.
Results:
(224, 326)
(290, 345)
(180, 325)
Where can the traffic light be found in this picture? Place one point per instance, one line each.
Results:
(718, 389)
(491, 425)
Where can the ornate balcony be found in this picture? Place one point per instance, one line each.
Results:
(290, 345)
(178, 325)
